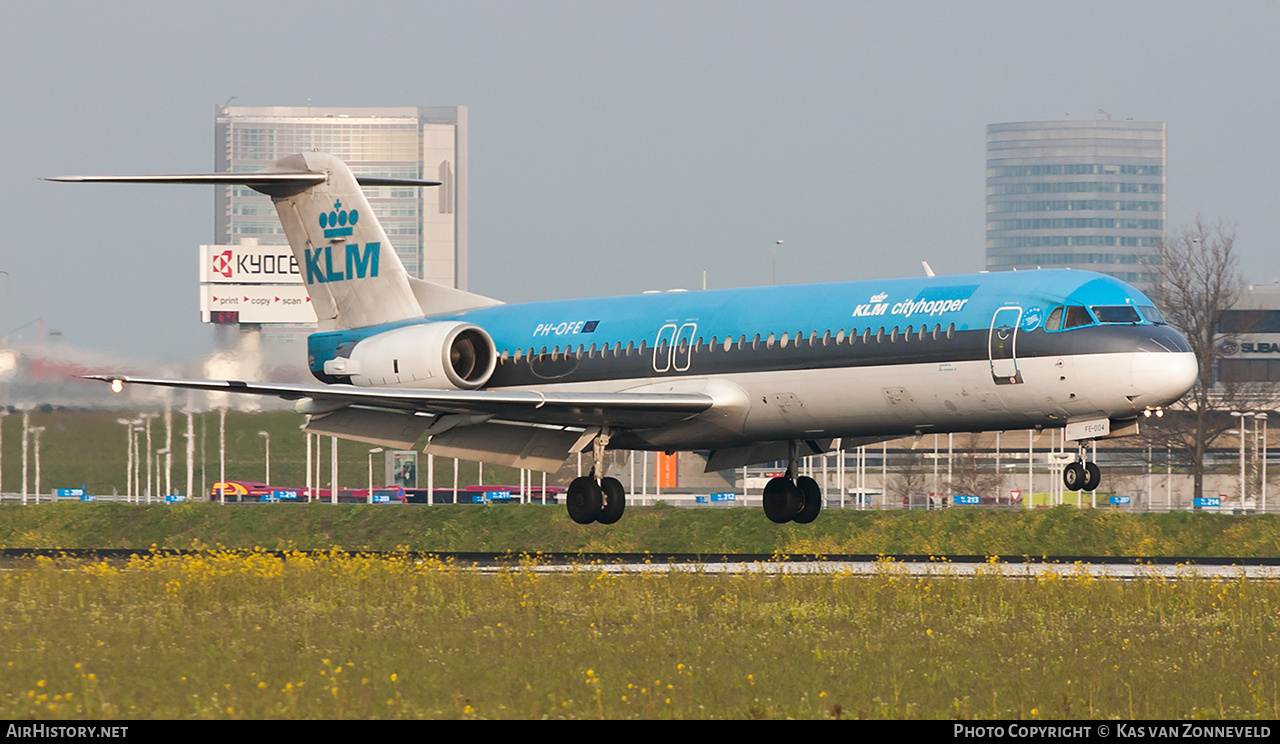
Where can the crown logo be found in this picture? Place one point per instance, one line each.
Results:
(879, 297)
(338, 222)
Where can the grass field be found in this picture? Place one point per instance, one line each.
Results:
(224, 635)
(247, 634)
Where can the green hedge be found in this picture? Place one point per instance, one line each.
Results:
(1064, 531)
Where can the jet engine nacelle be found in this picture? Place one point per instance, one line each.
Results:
(442, 355)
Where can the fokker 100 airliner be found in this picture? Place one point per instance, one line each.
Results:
(751, 375)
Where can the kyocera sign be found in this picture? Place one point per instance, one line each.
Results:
(256, 303)
(249, 264)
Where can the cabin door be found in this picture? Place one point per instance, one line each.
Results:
(1002, 344)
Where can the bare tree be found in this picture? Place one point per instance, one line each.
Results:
(972, 472)
(909, 478)
(1196, 283)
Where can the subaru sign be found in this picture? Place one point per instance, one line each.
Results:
(968, 499)
(70, 493)
(1208, 501)
(1120, 499)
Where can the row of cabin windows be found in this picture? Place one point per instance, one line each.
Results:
(893, 335)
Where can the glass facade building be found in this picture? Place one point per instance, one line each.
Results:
(427, 226)
(1076, 194)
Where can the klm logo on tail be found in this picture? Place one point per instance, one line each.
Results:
(358, 264)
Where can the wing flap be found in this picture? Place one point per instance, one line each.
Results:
(513, 445)
(383, 428)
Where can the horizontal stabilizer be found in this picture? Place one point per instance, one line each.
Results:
(273, 183)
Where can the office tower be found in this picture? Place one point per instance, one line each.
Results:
(1076, 194)
(427, 226)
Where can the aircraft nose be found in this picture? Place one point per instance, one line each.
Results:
(1162, 378)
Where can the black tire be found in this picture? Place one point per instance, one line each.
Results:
(1073, 476)
(584, 500)
(782, 500)
(1092, 477)
(615, 501)
(811, 497)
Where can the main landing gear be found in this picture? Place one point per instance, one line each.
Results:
(1081, 475)
(594, 499)
(791, 499)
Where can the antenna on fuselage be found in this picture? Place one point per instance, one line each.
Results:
(928, 271)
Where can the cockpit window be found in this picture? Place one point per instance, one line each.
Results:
(1076, 317)
(1152, 314)
(1054, 321)
(1116, 314)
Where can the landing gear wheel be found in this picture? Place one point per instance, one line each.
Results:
(615, 500)
(1073, 476)
(782, 500)
(584, 499)
(1092, 477)
(811, 497)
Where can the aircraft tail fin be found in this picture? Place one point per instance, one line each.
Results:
(352, 273)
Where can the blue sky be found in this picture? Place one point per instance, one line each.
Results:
(615, 146)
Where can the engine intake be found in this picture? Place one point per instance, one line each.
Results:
(440, 355)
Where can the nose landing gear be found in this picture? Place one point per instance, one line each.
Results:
(1081, 475)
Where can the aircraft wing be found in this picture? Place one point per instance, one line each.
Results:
(636, 410)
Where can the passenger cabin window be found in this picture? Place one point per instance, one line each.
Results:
(1116, 314)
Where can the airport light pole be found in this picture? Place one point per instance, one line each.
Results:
(266, 436)
(191, 454)
(146, 418)
(36, 431)
(26, 430)
(137, 462)
(1262, 416)
(372, 452)
(776, 243)
(128, 456)
(1241, 416)
(307, 435)
(2, 415)
(162, 452)
(333, 451)
(168, 451)
(222, 455)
